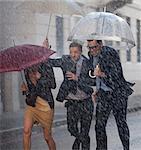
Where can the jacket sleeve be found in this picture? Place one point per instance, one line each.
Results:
(112, 68)
(55, 62)
(31, 87)
(47, 80)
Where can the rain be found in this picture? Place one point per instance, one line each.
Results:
(73, 68)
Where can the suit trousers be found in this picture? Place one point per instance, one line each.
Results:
(107, 102)
(79, 117)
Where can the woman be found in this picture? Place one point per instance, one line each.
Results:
(40, 103)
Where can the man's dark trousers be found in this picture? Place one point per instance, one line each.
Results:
(80, 111)
(107, 101)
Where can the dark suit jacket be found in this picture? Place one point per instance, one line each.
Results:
(68, 86)
(44, 84)
(110, 64)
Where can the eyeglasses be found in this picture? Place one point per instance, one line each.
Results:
(92, 47)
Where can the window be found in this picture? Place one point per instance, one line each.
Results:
(128, 51)
(59, 35)
(138, 41)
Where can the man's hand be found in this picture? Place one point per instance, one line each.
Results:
(94, 96)
(38, 75)
(24, 87)
(34, 77)
(98, 72)
(71, 76)
(46, 43)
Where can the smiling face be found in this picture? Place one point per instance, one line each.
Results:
(94, 47)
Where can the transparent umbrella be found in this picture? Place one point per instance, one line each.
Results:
(103, 26)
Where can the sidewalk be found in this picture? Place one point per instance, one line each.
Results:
(11, 124)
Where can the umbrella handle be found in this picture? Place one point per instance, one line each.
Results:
(23, 79)
(22, 76)
(48, 26)
(90, 74)
(48, 29)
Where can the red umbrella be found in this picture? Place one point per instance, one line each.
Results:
(21, 57)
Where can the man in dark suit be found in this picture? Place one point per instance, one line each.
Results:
(76, 91)
(112, 91)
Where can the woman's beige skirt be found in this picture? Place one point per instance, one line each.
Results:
(41, 114)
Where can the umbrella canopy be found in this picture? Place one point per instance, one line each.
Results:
(103, 26)
(68, 7)
(23, 56)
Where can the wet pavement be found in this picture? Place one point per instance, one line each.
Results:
(11, 126)
(64, 140)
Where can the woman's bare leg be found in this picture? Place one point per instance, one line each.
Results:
(49, 139)
(28, 123)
